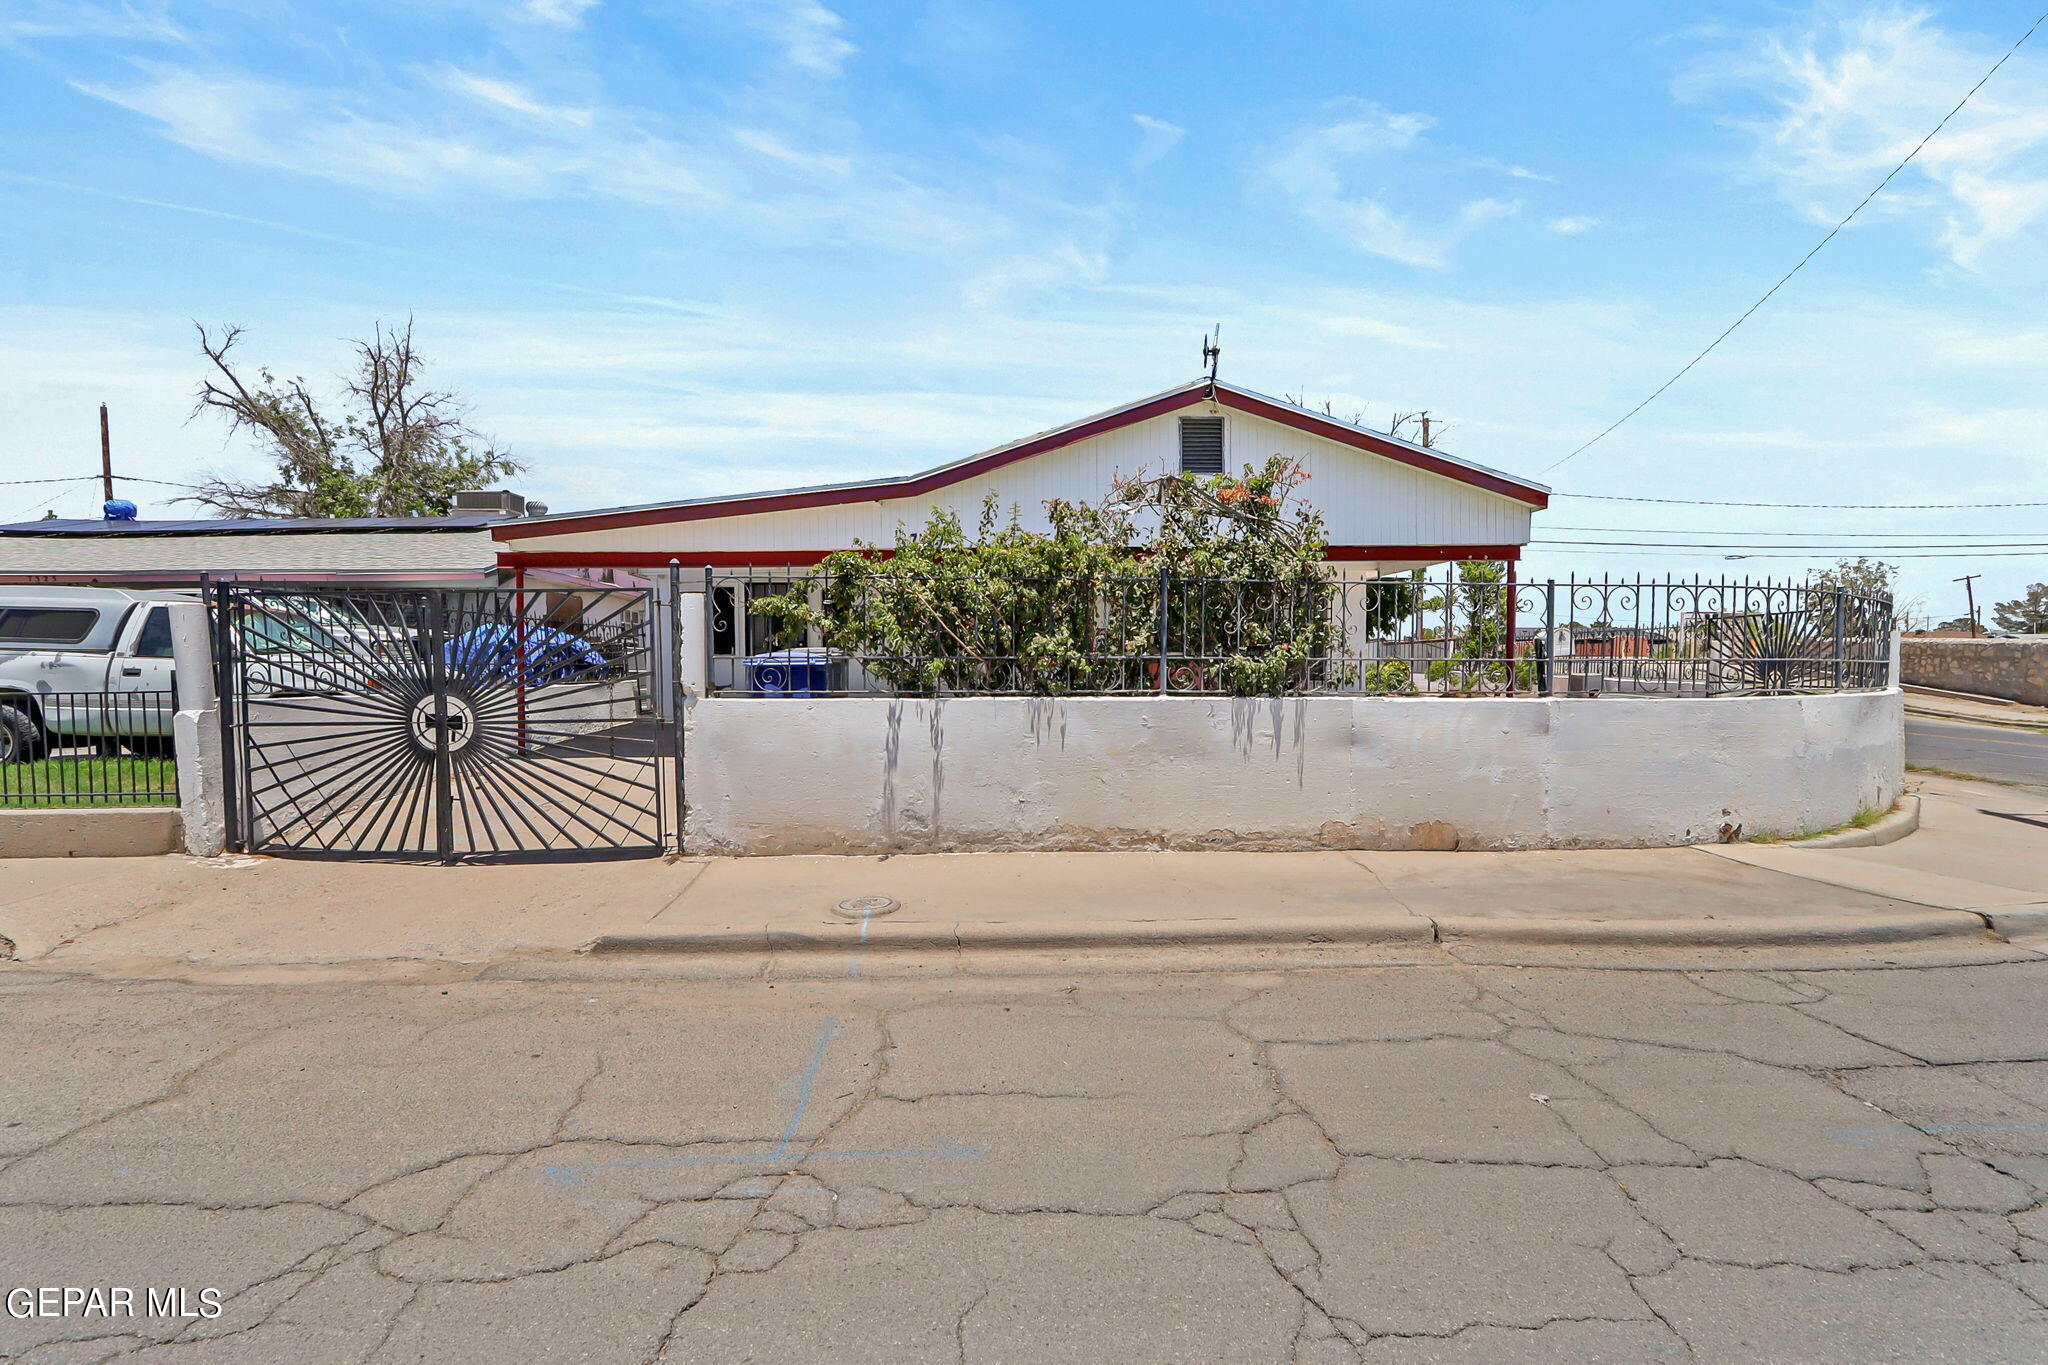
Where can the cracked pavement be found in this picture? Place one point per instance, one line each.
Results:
(1438, 1162)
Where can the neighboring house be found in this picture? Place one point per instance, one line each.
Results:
(1389, 505)
(448, 552)
(1617, 642)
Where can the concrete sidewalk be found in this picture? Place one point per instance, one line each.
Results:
(1974, 880)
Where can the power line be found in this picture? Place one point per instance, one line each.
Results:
(1803, 535)
(1827, 506)
(1816, 247)
(1731, 545)
(1812, 552)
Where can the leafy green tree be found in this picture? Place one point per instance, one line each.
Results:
(2026, 614)
(1862, 577)
(396, 448)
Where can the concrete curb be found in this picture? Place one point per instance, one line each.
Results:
(1293, 932)
(1928, 925)
(2023, 924)
(1999, 722)
(1891, 827)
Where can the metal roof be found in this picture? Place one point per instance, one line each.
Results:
(266, 526)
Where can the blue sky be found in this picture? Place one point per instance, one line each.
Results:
(676, 247)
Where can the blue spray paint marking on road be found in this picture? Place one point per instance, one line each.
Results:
(853, 966)
(1857, 1136)
(803, 1092)
(807, 1080)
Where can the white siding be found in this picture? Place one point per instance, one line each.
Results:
(1366, 499)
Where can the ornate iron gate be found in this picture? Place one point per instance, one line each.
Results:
(457, 724)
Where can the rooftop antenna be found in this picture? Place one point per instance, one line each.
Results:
(1212, 351)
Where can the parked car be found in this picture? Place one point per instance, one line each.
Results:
(93, 665)
(84, 664)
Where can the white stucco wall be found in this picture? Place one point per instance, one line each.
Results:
(869, 775)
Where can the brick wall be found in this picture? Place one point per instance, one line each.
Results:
(2014, 669)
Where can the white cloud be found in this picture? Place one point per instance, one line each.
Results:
(1848, 95)
(501, 140)
(73, 19)
(1571, 226)
(1318, 170)
(505, 95)
(1158, 137)
(561, 13)
(807, 33)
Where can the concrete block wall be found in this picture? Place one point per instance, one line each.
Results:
(2014, 669)
(874, 775)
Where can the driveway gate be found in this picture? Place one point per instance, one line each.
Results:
(456, 724)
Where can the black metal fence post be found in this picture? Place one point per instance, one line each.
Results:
(227, 690)
(1163, 588)
(1840, 658)
(1550, 638)
(437, 697)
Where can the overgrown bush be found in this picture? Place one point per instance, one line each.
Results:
(1217, 582)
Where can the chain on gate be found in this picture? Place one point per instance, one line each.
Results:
(472, 723)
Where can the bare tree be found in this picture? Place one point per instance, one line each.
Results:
(400, 449)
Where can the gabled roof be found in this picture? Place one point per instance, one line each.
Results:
(1535, 495)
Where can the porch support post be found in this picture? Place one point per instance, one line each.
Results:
(196, 732)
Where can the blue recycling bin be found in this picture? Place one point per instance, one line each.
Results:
(796, 672)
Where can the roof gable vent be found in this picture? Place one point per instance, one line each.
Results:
(1201, 445)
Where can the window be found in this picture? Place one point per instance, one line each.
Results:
(46, 625)
(154, 640)
(1201, 445)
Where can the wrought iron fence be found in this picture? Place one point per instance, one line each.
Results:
(1477, 634)
(67, 749)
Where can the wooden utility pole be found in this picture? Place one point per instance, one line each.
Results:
(1425, 430)
(1969, 582)
(106, 457)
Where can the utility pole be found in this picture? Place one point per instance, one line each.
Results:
(1425, 430)
(1969, 582)
(106, 457)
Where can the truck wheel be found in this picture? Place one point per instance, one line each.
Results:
(21, 739)
(149, 746)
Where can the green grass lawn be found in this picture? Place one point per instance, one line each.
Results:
(89, 780)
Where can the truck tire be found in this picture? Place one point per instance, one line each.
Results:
(21, 738)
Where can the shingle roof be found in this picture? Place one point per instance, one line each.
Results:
(271, 526)
(453, 550)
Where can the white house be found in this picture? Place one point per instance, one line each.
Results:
(1389, 505)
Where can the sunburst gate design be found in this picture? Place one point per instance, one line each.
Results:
(452, 724)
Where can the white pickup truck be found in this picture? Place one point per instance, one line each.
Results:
(84, 665)
(92, 666)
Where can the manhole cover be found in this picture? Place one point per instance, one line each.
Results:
(866, 907)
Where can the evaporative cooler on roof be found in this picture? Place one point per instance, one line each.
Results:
(1201, 445)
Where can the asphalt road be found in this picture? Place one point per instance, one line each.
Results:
(1388, 1164)
(1979, 750)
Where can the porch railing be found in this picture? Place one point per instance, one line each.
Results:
(1476, 635)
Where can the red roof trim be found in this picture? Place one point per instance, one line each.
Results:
(886, 490)
(652, 561)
